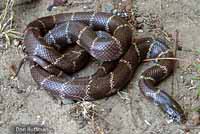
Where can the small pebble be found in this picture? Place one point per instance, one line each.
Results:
(67, 101)
(114, 11)
(140, 19)
(85, 7)
(182, 79)
(38, 116)
(169, 121)
(43, 123)
(140, 31)
(118, 14)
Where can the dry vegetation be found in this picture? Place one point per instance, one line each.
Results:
(7, 29)
(197, 66)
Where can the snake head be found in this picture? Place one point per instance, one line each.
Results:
(174, 113)
(169, 106)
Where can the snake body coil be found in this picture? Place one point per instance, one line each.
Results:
(50, 45)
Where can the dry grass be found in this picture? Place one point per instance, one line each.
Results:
(7, 29)
(90, 112)
(196, 64)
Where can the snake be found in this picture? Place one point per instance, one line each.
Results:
(60, 45)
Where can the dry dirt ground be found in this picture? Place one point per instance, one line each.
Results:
(21, 102)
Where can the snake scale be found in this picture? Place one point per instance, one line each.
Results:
(51, 47)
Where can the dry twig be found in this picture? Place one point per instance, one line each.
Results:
(170, 58)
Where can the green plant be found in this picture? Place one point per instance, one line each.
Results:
(196, 109)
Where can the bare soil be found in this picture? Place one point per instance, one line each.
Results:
(22, 102)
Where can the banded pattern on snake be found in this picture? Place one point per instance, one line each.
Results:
(51, 47)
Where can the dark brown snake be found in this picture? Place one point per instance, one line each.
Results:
(50, 45)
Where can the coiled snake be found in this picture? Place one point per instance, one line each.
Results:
(50, 45)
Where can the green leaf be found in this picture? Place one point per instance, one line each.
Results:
(196, 109)
(198, 51)
(196, 78)
(198, 90)
(197, 66)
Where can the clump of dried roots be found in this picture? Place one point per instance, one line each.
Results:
(89, 113)
(84, 109)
